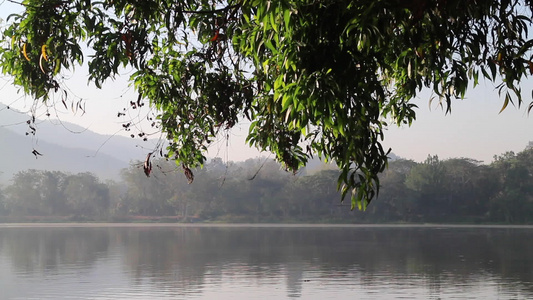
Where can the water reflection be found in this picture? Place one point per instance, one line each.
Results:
(261, 263)
(36, 250)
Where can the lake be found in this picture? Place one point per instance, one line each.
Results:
(136, 261)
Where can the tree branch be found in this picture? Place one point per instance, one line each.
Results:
(13, 1)
(213, 11)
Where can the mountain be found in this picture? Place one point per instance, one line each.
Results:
(16, 155)
(64, 147)
(70, 135)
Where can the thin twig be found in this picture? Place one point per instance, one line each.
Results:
(213, 11)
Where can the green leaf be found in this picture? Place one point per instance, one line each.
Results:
(287, 18)
(269, 45)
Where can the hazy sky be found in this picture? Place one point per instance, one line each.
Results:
(475, 129)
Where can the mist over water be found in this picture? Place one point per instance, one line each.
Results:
(266, 262)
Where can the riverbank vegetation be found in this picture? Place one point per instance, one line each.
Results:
(458, 190)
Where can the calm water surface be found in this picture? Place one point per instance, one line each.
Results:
(265, 262)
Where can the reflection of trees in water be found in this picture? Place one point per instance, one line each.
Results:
(33, 250)
(448, 256)
(295, 277)
(184, 259)
(163, 257)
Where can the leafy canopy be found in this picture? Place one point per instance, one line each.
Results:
(313, 77)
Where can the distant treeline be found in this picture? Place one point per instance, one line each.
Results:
(456, 190)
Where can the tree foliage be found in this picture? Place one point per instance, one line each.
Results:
(53, 193)
(322, 77)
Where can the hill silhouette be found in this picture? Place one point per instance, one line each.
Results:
(64, 147)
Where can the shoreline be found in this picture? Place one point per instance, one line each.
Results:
(255, 225)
